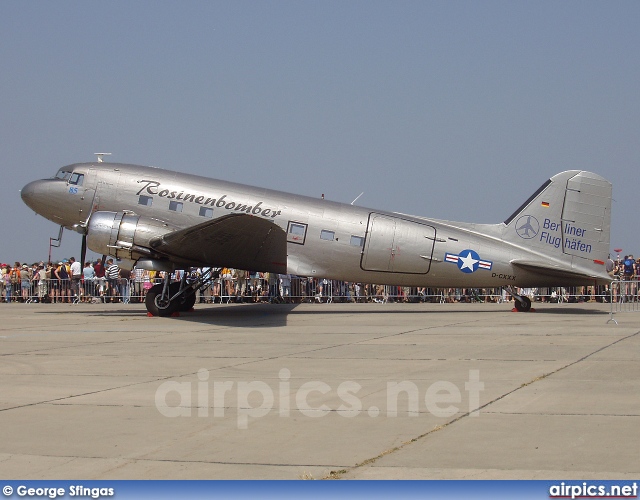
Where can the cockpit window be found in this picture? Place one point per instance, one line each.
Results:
(63, 175)
(76, 179)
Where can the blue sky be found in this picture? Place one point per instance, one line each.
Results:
(454, 110)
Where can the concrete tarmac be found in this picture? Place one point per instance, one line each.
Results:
(359, 391)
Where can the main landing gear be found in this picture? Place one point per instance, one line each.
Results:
(522, 302)
(165, 299)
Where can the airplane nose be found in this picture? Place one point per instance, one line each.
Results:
(32, 194)
(27, 193)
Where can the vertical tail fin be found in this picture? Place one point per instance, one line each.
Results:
(568, 217)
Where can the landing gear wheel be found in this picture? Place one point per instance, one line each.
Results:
(185, 302)
(158, 306)
(524, 305)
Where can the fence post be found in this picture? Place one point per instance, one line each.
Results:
(611, 318)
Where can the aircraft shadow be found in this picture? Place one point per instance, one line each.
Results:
(276, 315)
(570, 310)
(273, 315)
(268, 315)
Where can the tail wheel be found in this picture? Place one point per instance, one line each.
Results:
(157, 305)
(523, 305)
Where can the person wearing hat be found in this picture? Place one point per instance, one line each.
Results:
(25, 283)
(63, 281)
(40, 280)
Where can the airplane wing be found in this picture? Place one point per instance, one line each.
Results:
(557, 271)
(240, 241)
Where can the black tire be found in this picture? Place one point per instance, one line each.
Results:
(155, 306)
(186, 303)
(524, 305)
(183, 303)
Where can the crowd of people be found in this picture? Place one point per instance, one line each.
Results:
(68, 281)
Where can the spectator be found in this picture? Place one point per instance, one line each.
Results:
(89, 275)
(125, 288)
(609, 266)
(241, 289)
(3, 272)
(274, 289)
(14, 282)
(54, 283)
(76, 275)
(112, 273)
(138, 284)
(25, 282)
(628, 275)
(63, 282)
(285, 287)
(8, 282)
(98, 269)
(40, 277)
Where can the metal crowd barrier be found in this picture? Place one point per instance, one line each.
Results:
(624, 297)
(300, 289)
(72, 291)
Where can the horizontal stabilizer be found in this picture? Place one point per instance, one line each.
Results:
(557, 270)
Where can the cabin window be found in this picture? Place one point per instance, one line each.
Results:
(206, 212)
(76, 179)
(296, 232)
(357, 241)
(145, 200)
(175, 206)
(327, 235)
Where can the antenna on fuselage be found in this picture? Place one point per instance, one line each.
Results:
(357, 197)
(100, 155)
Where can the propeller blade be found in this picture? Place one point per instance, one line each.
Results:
(83, 250)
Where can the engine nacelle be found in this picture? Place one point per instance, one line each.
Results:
(124, 235)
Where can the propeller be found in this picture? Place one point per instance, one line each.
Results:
(83, 250)
(83, 229)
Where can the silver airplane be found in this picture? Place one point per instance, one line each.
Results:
(166, 220)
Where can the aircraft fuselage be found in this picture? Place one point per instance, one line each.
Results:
(325, 239)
